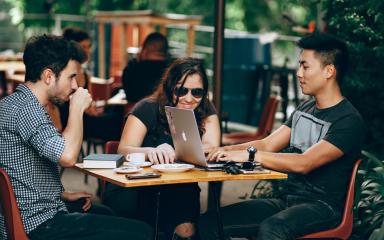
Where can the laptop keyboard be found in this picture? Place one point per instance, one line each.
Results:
(218, 164)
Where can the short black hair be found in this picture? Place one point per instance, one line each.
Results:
(47, 51)
(78, 53)
(75, 34)
(330, 50)
(158, 40)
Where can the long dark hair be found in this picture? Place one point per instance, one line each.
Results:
(177, 72)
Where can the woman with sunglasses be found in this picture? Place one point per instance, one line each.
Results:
(184, 85)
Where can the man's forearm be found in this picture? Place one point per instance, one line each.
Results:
(73, 135)
(258, 144)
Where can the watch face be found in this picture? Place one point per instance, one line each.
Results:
(251, 149)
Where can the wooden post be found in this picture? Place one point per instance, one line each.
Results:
(123, 45)
(163, 30)
(135, 36)
(190, 40)
(101, 50)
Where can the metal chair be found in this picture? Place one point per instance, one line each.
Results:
(264, 129)
(13, 222)
(344, 229)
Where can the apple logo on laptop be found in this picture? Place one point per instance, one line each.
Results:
(184, 136)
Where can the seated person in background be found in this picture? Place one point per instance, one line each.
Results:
(184, 85)
(324, 136)
(31, 148)
(142, 75)
(94, 117)
(82, 37)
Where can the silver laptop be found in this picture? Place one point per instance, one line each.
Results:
(186, 138)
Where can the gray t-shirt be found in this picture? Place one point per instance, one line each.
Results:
(340, 125)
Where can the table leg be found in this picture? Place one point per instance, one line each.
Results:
(157, 215)
(211, 189)
(216, 198)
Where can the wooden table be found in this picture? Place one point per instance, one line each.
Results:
(191, 176)
(194, 175)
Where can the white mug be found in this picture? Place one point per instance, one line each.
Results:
(136, 158)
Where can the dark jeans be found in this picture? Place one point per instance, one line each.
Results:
(179, 203)
(91, 226)
(288, 217)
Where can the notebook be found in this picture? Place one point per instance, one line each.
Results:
(103, 161)
(186, 138)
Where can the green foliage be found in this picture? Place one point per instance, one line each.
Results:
(370, 208)
(378, 234)
(264, 15)
(362, 26)
(111, 5)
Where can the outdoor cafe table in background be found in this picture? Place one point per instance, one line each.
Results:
(12, 66)
(191, 176)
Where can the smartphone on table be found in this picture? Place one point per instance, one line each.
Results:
(142, 175)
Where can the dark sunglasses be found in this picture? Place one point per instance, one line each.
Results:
(196, 92)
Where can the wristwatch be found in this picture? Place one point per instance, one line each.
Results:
(252, 151)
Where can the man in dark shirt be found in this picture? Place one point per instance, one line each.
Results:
(31, 148)
(142, 75)
(324, 138)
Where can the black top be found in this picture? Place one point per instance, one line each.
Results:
(140, 78)
(147, 111)
(340, 125)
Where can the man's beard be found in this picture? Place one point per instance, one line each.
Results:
(56, 101)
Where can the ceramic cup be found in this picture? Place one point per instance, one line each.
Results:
(136, 158)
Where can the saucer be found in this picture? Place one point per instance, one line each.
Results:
(172, 168)
(142, 164)
(129, 169)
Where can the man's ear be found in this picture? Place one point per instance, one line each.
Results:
(48, 76)
(330, 71)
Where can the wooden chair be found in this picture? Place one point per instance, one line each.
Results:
(13, 222)
(344, 229)
(265, 125)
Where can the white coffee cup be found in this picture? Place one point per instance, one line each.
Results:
(136, 158)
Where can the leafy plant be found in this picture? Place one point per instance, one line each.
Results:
(362, 26)
(378, 234)
(369, 215)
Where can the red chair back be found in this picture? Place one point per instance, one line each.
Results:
(13, 223)
(111, 147)
(264, 129)
(268, 116)
(344, 230)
